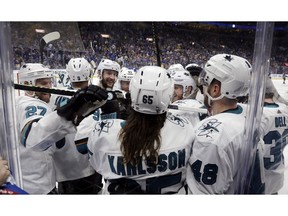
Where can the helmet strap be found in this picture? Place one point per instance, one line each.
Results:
(210, 98)
(30, 93)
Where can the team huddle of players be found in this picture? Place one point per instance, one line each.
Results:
(154, 131)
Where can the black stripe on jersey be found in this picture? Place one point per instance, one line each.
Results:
(271, 105)
(81, 145)
(237, 110)
(26, 130)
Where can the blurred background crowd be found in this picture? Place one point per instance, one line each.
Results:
(132, 44)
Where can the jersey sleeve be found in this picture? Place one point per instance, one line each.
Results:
(83, 131)
(39, 126)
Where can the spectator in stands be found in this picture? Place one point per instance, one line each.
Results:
(4, 171)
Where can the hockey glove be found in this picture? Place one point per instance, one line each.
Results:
(112, 104)
(83, 103)
(117, 104)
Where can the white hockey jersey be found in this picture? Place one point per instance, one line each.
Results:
(38, 172)
(167, 177)
(86, 126)
(43, 132)
(37, 135)
(275, 131)
(84, 129)
(216, 154)
(194, 117)
(70, 164)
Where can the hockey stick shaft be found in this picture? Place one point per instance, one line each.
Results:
(46, 90)
(188, 109)
(72, 92)
(155, 34)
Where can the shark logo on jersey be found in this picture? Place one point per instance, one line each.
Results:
(208, 128)
(64, 79)
(103, 126)
(177, 120)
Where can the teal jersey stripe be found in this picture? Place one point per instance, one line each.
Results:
(26, 130)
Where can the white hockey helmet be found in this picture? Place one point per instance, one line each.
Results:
(151, 90)
(79, 70)
(175, 67)
(183, 78)
(30, 72)
(126, 74)
(107, 64)
(232, 71)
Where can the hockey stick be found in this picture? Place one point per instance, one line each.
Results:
(72, 92)
(155, 34)
(111, 95)
(47, 39)
(46, 90)
(188, 109)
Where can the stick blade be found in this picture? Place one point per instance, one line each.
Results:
(51, 37)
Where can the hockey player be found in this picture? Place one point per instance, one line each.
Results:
(73, 171)
(284, 78)
(119, 107)
(184, 86)
(108, 72)
(147, 154)
(216, 154)
(37, 167)
(40, 128)
(275, 131)
(124, 78)
(195, 70)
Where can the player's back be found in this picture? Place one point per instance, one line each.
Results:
(216, 156)
(168, 176)
(274, 129)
